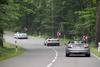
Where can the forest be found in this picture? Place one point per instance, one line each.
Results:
(73, 18)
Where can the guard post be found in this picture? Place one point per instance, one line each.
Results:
(16, 46)
(99, 47)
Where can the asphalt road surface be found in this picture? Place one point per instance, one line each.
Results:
(38, 55)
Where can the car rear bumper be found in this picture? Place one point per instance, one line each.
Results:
(78, 51)
(22, 37)
(53, 44)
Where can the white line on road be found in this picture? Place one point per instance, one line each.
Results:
(49, 65)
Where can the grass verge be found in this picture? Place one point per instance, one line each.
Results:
(94, 50)
(9, 51)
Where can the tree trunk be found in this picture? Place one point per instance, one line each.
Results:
(1, 29)
(1, 37)
(97, 22)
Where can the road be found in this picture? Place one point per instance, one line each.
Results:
(38, 55)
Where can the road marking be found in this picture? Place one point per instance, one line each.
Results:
(96, 56)
(49, 65)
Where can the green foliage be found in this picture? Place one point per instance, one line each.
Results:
(72, 18)
(94, 50)
(88, 24)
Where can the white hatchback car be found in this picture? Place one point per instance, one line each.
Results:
(20, 35)
(51, 42)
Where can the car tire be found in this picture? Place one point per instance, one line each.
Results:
(44, 44)
(67, 54)
(88, 55)
(26, 38)
(58, 44)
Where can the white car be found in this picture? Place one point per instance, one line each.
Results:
(20, 35)
(52, 42)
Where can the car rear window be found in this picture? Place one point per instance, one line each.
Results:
(78, 42)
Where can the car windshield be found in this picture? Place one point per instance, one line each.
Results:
(52, 38)
(77, 42)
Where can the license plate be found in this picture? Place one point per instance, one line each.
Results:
(76, 47)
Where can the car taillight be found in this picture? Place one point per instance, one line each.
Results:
(48, 40)
(69, 47)
(58, 40)
(86, 47)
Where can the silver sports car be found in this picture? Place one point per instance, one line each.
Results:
(51, 42)
(77, 47)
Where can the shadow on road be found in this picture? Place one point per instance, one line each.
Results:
(77, 55)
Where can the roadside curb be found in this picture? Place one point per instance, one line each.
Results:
(96, 56)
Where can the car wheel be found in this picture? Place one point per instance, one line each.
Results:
(67, 54)
(88, 55)
(44, 44)
(47, 44)
(58, 44)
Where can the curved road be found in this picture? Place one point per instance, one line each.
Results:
(38, 55)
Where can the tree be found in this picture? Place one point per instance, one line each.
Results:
(2, 11)
(70, 17)
(97, 22)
